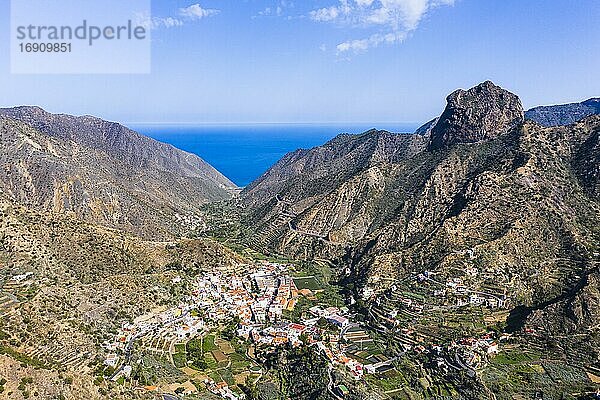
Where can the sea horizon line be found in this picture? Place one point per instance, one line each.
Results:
(274, 123)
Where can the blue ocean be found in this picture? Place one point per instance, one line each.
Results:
(244, 152)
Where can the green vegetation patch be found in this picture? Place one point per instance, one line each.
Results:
(331, 296)
(239, 363)
(180, 360)
(22, 358)
(301, 307)
(514, 357)
(390, 380)
(307, 283)
(180, 347)
(198, 351)
(208, 343)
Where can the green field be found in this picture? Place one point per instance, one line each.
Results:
(180, 360)
(514, 357)
(198, 351)
(307, 283)
(180, 347)
(208, 343)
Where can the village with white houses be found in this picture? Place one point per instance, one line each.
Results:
(262, 302)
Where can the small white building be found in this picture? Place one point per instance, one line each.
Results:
(111, 360)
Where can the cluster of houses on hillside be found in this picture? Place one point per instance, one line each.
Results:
(456, 289)
(222, 389)
(259, 300)
(465, 296)
(170, 326)
(466, 353)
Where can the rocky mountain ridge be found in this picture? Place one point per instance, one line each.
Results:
(104, 173)
(564, 114)
(480, 182)
(306, 173)
(119, 142)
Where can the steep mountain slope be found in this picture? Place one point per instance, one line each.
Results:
(587, 164)
(515, 199)
(103, 173)
(305, 173)
(302, 180)
(85, 207)
(122, 143)
(564, 114)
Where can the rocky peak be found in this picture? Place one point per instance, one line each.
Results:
(483, 112)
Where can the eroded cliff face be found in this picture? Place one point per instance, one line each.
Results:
(480, 113)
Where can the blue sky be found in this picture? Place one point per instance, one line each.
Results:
(331, 60)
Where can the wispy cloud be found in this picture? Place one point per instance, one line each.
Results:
(278, 9)
(270, 11)
(193, 12)
(159, 22)
(392, 20)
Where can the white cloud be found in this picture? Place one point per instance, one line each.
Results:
(195, 11)
(167, 22)
(325, 14)
(192, 13)
(148, 22)
(392, 19)
(375, 40)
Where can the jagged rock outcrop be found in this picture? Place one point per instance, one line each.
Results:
(483, 112)
(564, 114)
(104, 173)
